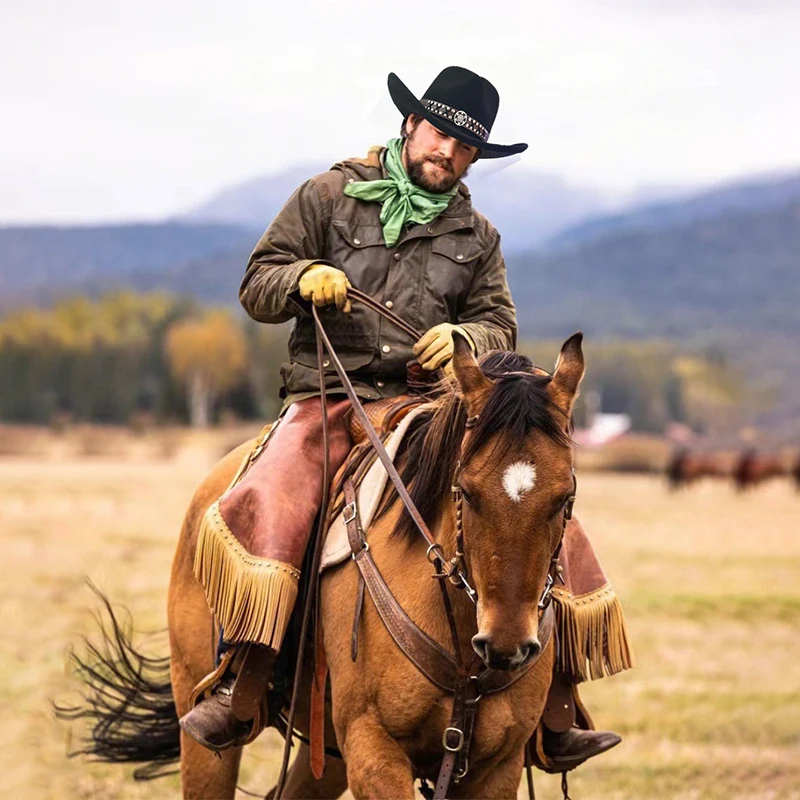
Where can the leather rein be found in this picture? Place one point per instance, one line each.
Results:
(467, 682)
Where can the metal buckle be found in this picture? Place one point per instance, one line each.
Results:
(457, 748)
(462, 772)
(437, 553)
(548, 588)
(350, 509)
(362, 550)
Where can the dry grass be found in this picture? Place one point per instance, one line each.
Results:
(634, 452)
(710, 581)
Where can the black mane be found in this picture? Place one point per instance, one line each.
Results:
(518, 404)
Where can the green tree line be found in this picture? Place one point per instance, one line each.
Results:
(127, 355)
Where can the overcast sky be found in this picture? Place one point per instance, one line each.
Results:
(117, 110)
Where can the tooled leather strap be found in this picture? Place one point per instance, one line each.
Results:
(435, 663)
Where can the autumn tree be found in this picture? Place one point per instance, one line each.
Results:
(208, 356)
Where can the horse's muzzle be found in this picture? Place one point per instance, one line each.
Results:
(505, 658)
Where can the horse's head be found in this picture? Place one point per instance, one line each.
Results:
(516, 478)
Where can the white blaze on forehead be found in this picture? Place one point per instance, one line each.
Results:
(519, 478)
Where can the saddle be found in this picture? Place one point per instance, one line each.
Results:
(385, 415)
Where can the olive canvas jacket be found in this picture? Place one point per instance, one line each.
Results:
(450, 270)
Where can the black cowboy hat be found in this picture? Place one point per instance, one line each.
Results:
(459, 103)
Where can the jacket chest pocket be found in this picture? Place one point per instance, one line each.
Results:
(451, 266)
(361, 252)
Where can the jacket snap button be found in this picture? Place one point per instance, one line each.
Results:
(326, 363)
(388, 304)
(459, 256)
(358, 241)
(397, 256)
(380, 384)
(386, 348)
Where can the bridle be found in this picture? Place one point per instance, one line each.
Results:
(457, 570)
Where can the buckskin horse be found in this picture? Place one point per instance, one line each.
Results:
(489, 465)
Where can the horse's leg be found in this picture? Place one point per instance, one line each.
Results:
(206, 777)
(499, 779)
(301, 783)
(376, 764)
(203, 774)
(193, 649)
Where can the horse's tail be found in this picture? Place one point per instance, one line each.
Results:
(127, 701)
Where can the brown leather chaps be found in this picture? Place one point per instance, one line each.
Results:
(271, 510)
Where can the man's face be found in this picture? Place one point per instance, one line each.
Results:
(433, 160)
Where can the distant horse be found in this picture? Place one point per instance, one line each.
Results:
(753, 468)
(795, 472)
(686, 467)
(503, 435)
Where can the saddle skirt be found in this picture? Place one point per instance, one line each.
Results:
(369, 491)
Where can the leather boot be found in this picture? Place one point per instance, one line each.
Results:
(225, 718)
(572, 747)
(212, 723)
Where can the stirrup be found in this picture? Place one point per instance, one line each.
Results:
(212, 680)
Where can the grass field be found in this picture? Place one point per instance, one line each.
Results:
(710, 583)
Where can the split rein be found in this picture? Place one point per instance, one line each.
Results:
(453, 569)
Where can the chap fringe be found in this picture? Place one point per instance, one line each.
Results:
(592, 634)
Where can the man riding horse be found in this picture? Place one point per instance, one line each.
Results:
(399, 225)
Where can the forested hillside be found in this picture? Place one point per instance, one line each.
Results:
(739, 272)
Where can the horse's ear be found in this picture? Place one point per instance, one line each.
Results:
(568, 374)
(474, 384)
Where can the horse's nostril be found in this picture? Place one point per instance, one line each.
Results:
(531, 649)
(480, 644)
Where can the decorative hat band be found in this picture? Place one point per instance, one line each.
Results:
(460, 118)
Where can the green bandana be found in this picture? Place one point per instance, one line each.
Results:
(402, 201)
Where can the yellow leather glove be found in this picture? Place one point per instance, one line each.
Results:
(436, 346)
(325, 286)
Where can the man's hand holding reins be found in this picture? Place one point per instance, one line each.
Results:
(325, 286)
(435, 348)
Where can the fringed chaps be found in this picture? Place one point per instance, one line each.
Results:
(592, 635)
(253, 539)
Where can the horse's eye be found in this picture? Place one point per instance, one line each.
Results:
(466, 495)
(565, 502)
(559, 507)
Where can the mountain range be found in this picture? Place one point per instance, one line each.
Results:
(528, 207)
(718, 267)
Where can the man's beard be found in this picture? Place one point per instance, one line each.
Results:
(417, 175)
